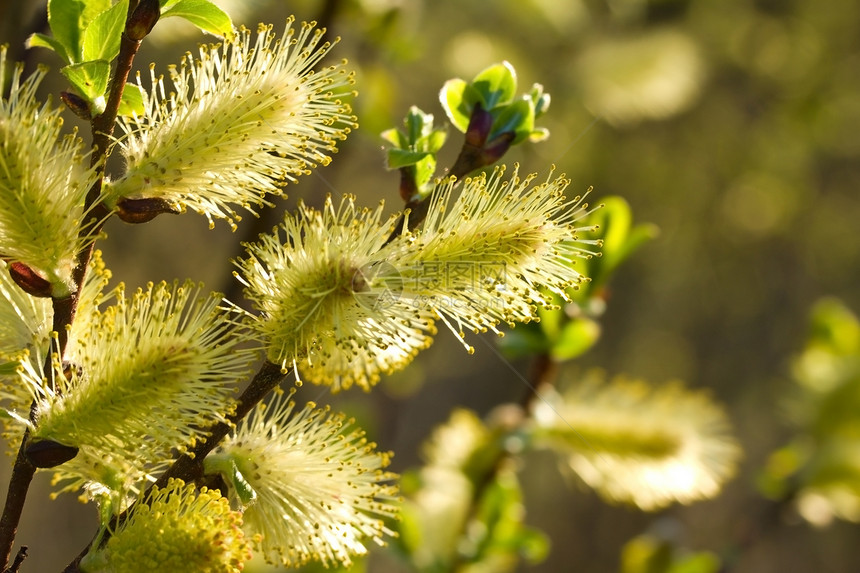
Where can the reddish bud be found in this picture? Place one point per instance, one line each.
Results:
(29, 280)
(49, 454)
(408, 190)
(495, 149)
(142, 20)
(480, 124)
(79, 106)
(144, 210)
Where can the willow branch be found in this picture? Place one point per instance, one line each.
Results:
(64, 309)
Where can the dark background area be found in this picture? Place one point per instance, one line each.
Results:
(733, 126)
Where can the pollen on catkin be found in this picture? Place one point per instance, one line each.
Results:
(327, 288)
(240, 122)
(497, 251)
(321, 488)
(150, 374)
(636, 443)
(44, 178)
(178, 528)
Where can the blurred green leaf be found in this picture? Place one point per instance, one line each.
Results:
(833, 325)
(502, 538)
(203, 14)
(576, 338)
(524, 340)
(648, 554)
(102, 36)
(132, 101)
(552, 317)
(620, 239)
(43, 41)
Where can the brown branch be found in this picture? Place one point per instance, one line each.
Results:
(64, 309)
(189, 466)
(19, 484)
(19, 559)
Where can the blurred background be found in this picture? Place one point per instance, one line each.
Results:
(734, 126)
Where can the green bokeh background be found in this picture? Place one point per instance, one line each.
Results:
(732, 125)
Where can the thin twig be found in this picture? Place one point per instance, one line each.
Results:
(19, 559)
(64, 308)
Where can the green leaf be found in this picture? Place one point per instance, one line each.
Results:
(90, 79)
(517, 118)
(458, 99)
(226, 466)
(524, 340)
(496, 85)
(395, 138)
(398, 158)
(102, 35)
(551, 318)
(435, 140)
(619, 240)
(64, 18)
(203, 14)
(92, 8)
(577, 337)
(424, 170)
(418, 124)
(704, 562)
(132, 101)
(540, 99)
(43, 41)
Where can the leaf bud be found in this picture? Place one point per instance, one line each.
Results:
(29, 280)
(144, 210)
(142, 20)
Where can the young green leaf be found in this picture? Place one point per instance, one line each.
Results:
(496, 85)
(398, 158)
(92, 8)
(132, 101)
(517, 118)
(203, 14)
(91, 80)
(458, 98)
(620, 238)
(102, 35)
(575, 338)
(64, 18)
(43, 41)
